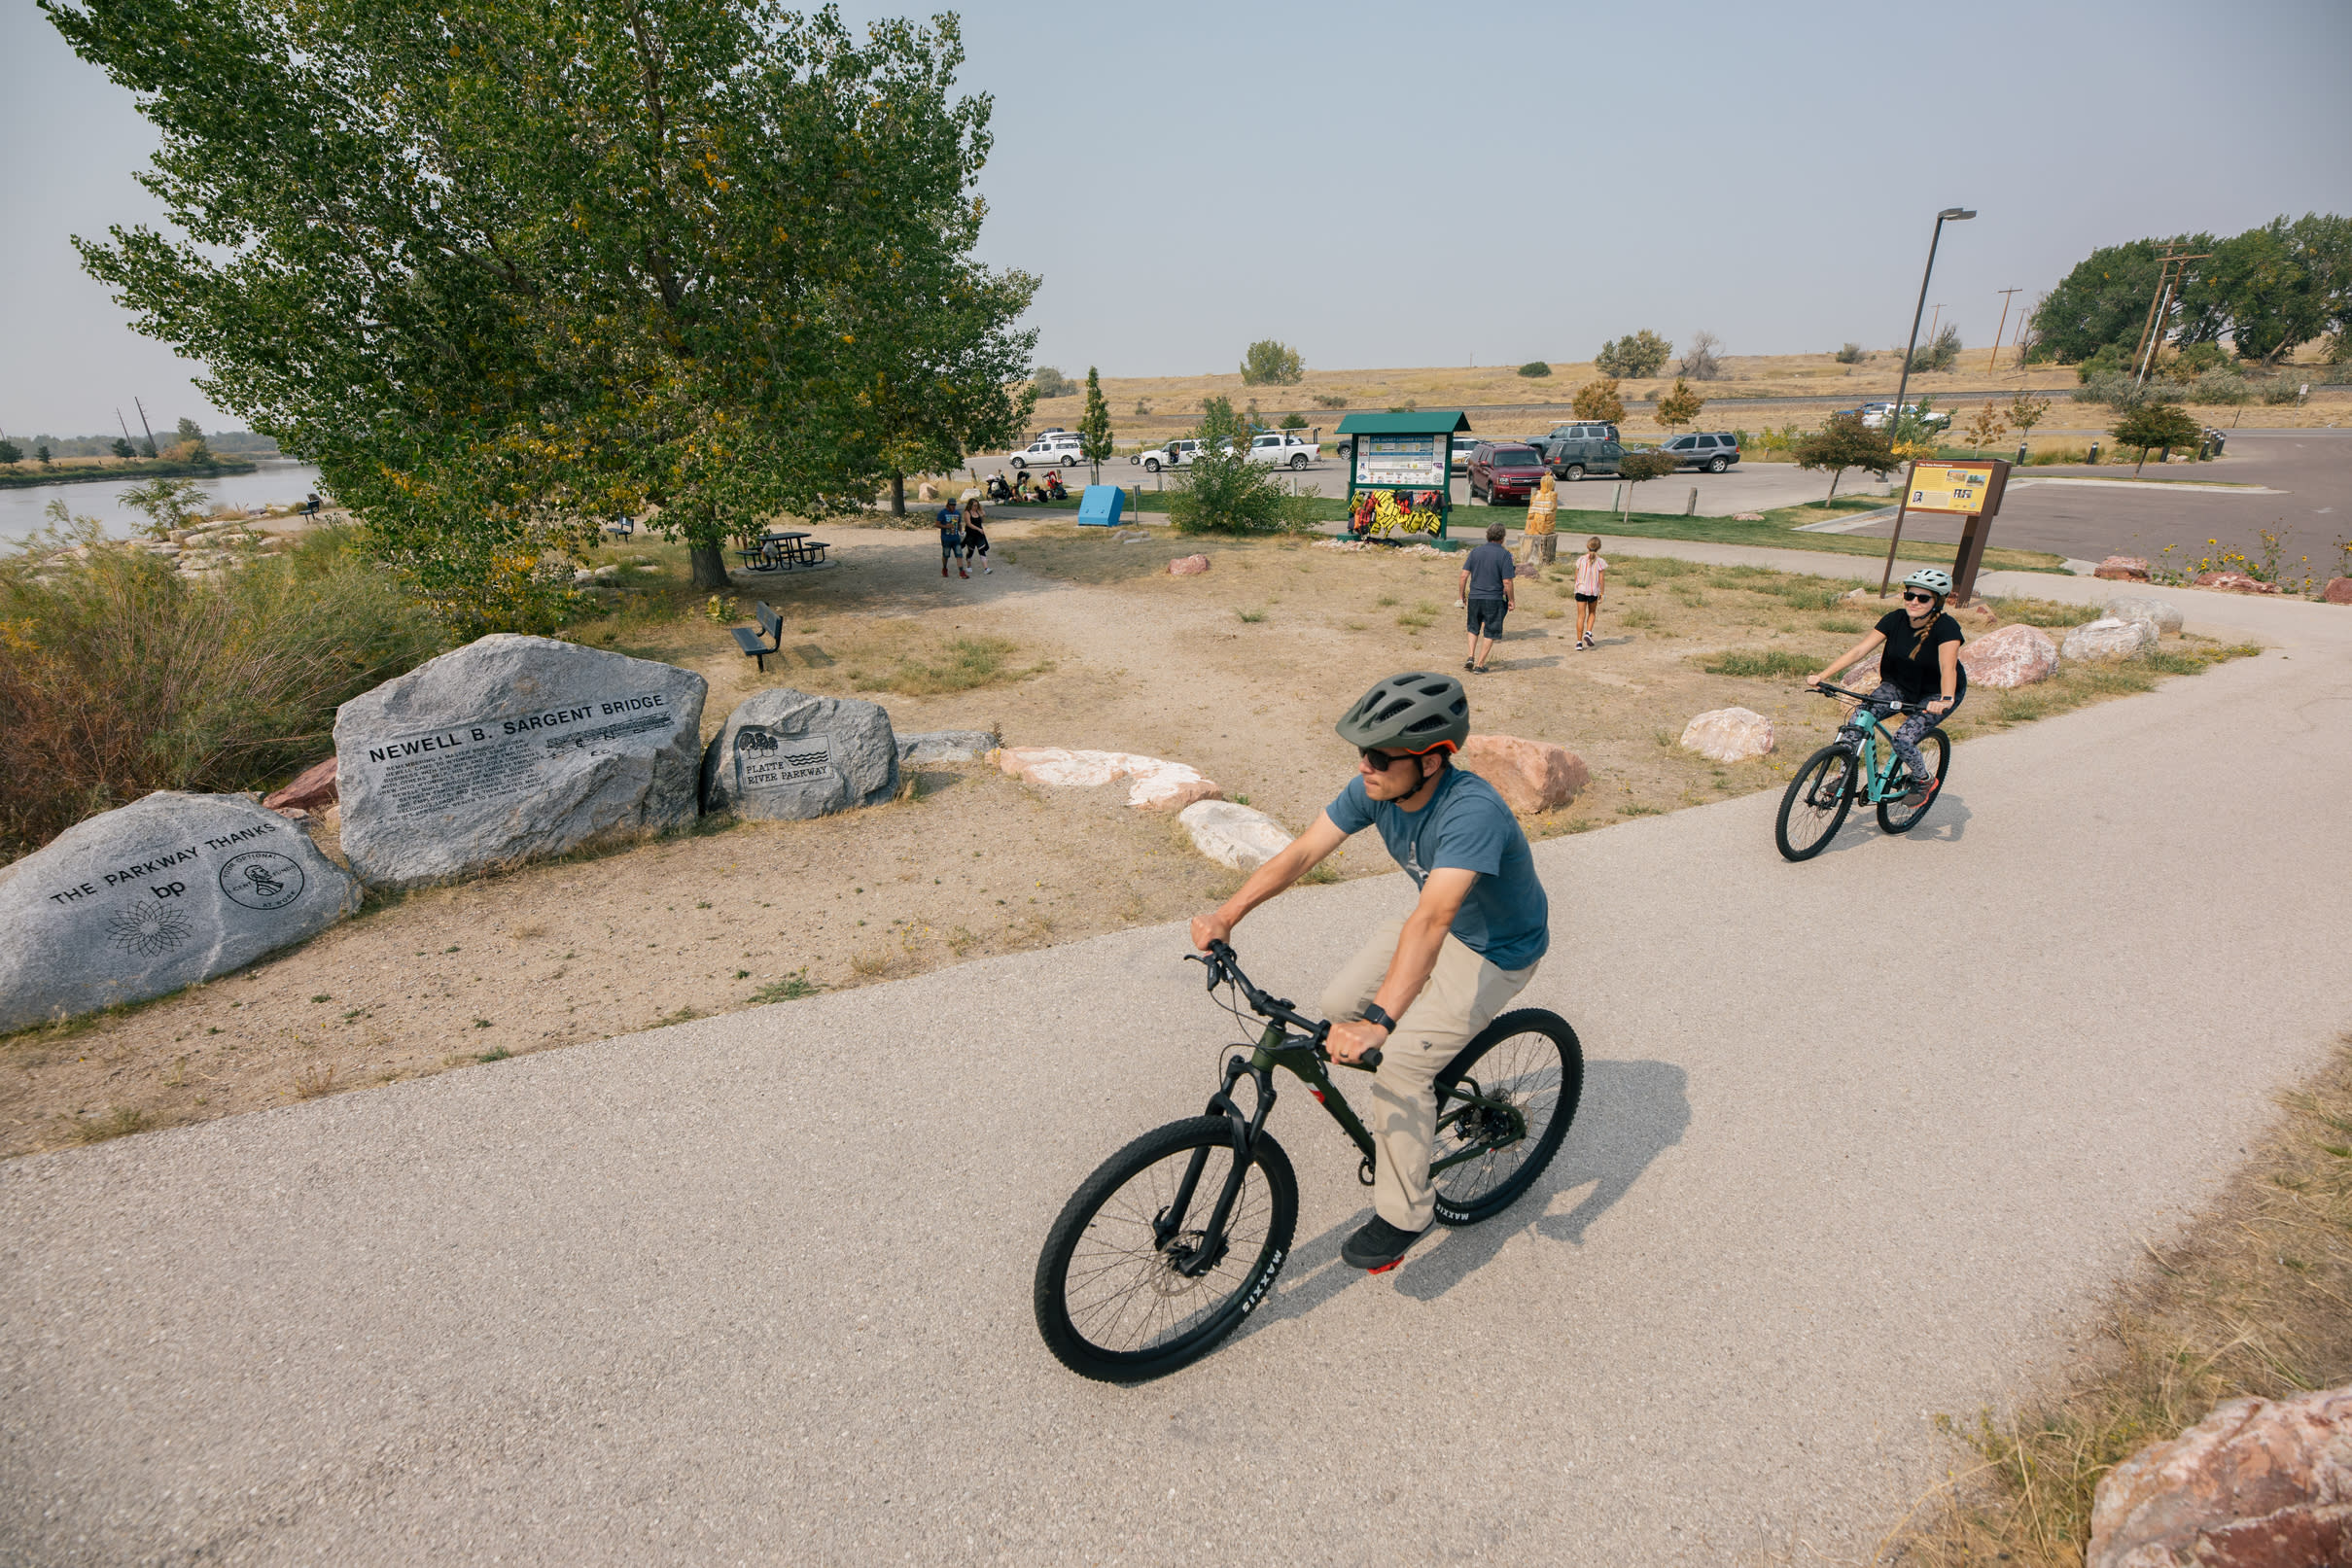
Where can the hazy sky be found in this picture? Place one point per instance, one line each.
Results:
(1397, 185)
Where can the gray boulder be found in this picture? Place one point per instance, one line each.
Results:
(945, 746)
(783, 756)
(509, 748)
(2108, 639)
(156, 895)
(2161, 614)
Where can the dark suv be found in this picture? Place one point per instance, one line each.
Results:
(1504, 471)
(1573, 457)
(1584, 430)
(1714, 451)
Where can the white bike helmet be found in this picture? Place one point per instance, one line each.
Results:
(1934, 582)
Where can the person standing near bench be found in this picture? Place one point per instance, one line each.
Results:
(1490, 593)
(975, 535)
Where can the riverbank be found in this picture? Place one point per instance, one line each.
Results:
(21, 476)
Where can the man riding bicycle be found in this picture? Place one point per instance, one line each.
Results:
(1419, 988)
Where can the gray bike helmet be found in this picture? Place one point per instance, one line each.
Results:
(1414, 713)
(1934, 582)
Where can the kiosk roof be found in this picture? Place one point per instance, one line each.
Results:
(1420, 421)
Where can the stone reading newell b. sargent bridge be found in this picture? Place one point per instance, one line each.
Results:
(513, 748)
(158, 894)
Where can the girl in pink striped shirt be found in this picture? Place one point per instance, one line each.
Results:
(1592, 575)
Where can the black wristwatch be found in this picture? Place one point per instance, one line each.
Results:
(1376, 1015)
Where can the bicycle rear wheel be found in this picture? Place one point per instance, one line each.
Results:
(1532, 1061)
(1816, 803)
(1897, 817)
(1112, 1299)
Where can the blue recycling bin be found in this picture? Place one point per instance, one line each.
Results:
(1099, 505)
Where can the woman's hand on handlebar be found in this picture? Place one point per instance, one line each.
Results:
(1348, 1042)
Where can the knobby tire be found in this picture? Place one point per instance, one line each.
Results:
(1533, 1059)
(1896, 817)
(1827, 772)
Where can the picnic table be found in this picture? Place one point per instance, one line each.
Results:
(783, 550)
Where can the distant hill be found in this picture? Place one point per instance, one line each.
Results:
(243, 443)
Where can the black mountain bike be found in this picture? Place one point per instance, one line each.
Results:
(1178, 1236)
(1860, 764)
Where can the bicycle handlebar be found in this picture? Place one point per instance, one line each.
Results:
(1828, 690)
(1224, 967)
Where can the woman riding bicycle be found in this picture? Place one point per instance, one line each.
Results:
(1920, 664)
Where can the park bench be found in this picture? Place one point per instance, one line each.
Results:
(749, 640)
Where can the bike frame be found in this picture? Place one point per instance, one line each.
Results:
(1878, 778)
(1302, 1055)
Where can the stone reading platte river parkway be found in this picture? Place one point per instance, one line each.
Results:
(472, 761)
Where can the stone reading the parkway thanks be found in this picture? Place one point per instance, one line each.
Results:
(511, 748)
(787, 756)
(171, 889)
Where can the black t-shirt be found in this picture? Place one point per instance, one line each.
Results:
(1920, 677)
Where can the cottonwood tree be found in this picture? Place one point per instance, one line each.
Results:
(1680, 405)
(502, 270)
(1634, 356)
(1699, 361)
(1843, 443)
(1598, 400)
(943, 373)
(1267, 362)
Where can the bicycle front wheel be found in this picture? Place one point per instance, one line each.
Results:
(1529, 1061)
(1123, 1295)
(1894, 816)
(1816, 803)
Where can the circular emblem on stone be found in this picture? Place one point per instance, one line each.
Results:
(262, 879)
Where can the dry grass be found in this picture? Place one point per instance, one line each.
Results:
(119, 1122)
(2255, 1300)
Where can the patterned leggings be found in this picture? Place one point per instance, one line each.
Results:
(1914, 726)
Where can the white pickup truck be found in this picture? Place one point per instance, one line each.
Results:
(1283, 449)
(1175, 455)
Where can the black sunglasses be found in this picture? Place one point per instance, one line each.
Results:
(1918, 597)
(1382, 761)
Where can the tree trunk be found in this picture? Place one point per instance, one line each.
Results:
(709, 563)
(2141, 464)
(898, 494)
(1834, 476)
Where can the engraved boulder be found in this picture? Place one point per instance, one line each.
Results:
(509, 748)
(785, 755)
(158, 894)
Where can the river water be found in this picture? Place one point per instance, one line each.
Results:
(22, 510)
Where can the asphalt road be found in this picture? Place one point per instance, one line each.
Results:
(1863, 1141)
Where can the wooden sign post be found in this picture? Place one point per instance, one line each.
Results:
(1968, 489)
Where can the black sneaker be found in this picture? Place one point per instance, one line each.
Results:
(1379, 1246)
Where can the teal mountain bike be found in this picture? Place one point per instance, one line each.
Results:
(1860, 764)
(1178, 1238)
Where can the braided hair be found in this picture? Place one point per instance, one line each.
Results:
(1935, 614)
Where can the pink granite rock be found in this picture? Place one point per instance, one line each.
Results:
(2258, 1483)
(2338, 591)
(2012, 656)
(1729, 735)
(1158, 785)
(1531, 776)
(2234, 583)
(313, 789)
(1188, 565)
(2123, 569)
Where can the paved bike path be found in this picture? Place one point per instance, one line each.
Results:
(1862, 1140)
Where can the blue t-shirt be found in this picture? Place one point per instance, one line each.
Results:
(1506, 920)
(1490, 567)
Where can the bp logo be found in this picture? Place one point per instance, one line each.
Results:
(262, 879)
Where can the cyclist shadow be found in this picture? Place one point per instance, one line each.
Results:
(1947, 822)
(1632, 1112)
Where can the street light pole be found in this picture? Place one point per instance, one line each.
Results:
(1894, 415)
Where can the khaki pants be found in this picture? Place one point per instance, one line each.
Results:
(1464, 995)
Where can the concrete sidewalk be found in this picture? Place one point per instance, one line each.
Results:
(1863, 1141)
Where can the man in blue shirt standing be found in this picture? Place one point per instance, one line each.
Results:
(1423, 986)
(1490, 592)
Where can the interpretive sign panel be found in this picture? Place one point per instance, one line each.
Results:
(511, 747)
(158, 894)
(1966, 488)
(1401, 460)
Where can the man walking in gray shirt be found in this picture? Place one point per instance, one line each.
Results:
(1488, 590)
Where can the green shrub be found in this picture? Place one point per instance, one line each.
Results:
(1634, 356)
(1268, 363)
(1850, 354)
(1050, 382)
(1533, 369)
(123, 675)
(1223, 492)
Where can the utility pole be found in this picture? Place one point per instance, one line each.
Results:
(144, 426)
(126, 428)
(1998, 331)
(1931, 325)
(2173, 273)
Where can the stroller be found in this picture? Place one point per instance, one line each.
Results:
(1052, 489)
(997, 490)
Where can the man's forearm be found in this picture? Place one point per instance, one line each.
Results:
(1417, 947)
(1265, 882)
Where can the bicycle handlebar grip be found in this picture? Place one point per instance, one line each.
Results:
(1370, 1058)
